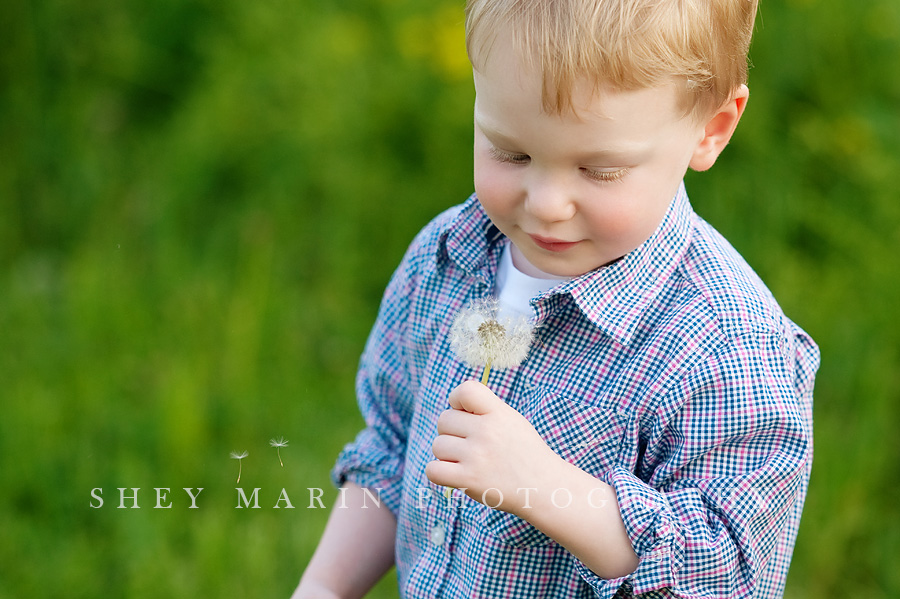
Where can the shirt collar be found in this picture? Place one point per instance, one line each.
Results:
(613, 297)
(616, 296)
(469, 238)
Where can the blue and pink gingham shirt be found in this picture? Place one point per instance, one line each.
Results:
(672, 374)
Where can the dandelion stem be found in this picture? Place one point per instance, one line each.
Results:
(487, 373)
(278, 451)
(239, 470)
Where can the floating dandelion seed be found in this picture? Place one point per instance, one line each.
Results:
(278, 444)
(482, 338)
(239, 456)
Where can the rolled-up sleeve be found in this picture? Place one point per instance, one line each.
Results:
(723, 475)
(375, 458)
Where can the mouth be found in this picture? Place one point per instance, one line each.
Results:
(553, 245)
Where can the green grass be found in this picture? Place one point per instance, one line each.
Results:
(202, 203)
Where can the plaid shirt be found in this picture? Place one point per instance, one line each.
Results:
(671, 374)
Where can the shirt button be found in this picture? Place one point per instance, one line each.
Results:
(437, 534)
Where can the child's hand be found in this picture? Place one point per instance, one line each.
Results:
(487, 448)
(490, 450)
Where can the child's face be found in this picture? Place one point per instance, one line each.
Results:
(575, 191)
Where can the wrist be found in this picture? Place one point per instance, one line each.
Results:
(310, 589)
(565, 493)
(575, 509)
(546, 485)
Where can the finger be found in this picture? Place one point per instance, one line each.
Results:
(444, 474)
(448, 448)
(473, 397)
(455, 422)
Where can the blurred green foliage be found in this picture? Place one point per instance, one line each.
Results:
(202, 202)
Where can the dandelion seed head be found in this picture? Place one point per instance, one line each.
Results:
(239, 456)
(279, 442)
(480, 335)
(491, 332)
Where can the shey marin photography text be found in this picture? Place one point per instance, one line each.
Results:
(309, 498)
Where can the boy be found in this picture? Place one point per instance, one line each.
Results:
(657, 437)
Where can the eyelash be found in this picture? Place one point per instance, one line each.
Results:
(605, 176)
(508, 158)
(521, 159)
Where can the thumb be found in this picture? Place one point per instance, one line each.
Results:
(473, 397)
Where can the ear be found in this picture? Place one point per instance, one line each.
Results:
(719, 129)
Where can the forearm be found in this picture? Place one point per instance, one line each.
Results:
(355, 551)
(580, 513)
(473, 453)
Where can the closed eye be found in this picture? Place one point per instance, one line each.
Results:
(508, 157)
(604, 176)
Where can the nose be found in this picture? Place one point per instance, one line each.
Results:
(549, 199)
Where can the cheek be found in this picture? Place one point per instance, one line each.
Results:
(626, 222)
(494, 187)
(614, 223)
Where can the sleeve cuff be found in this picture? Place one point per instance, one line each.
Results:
(654, 537)
(364, 463)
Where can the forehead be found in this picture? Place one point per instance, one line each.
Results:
(507, 85)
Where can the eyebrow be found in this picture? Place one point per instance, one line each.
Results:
(494, 134)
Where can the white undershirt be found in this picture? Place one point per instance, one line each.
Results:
(515, 289)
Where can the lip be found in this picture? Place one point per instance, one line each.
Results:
(553, 245)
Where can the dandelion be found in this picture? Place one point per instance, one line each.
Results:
(483, 338)
(278, 444)
(239, 456)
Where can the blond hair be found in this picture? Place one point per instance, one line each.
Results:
(626, 44)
